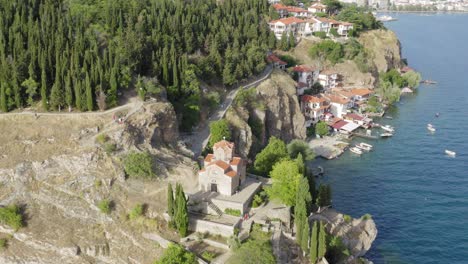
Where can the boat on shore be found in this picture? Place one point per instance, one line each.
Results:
(432, 129)
(356, 150)
(450, 153)
(364, 146)
(385, 135)
(428, 82)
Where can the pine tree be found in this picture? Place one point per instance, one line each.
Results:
(322, 241)
(314, 243)
(170, 202)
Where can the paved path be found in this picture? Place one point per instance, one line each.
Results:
(199, 139)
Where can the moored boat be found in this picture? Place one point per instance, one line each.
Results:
(450, 153)
(388, 128)
(384, 135)
(428, 82)
(356, 150)
(364, 146)
(432, 129)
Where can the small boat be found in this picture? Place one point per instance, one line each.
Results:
(385, 18)
(388, 128)
(364, 146)
(437, 115)
(430, 125)
(428, 82)
(356, 150)
(388, 117)
(384, 135)
(450, 153)
(431, 129)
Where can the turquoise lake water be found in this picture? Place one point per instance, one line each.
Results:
(416, 194)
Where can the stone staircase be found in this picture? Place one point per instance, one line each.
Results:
(215, 208)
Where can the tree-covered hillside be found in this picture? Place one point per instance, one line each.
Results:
(81, 53)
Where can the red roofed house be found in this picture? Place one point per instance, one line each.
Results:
(277, 62)
(281, 9)
(344, 28)
(286, 25)
(317, 8)
(361, 94)
(223, 172)
(338, 104)
(306, 74)
(285, 11)
(314, 107)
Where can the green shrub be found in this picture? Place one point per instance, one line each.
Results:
(139, 165)
(347, 218)
(102, 138)
(110, 147)
(136, 212)
(234, 212)
(320, 34)
(208, 256)
(105, 206)
(11, 216)
(366, 217)
(3, 243)
(327, 49)
(97, 183)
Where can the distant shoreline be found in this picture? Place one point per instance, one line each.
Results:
(432, 12)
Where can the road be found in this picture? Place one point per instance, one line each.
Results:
(199, 139)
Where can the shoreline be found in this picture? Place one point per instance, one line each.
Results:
(430, 12)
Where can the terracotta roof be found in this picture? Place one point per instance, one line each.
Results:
(209, 158)
(346, 23)
(231, 173)
(354, 116)
(318, 6)
(339, 124)
(236, 161)
(295, 9)
(279, 6)
(312, 99)
(337, 99)
(406, 69)
(303, 68)
(344, 93)
(361, 92)
(288, 20)
(221, 164)
(274, 58)
(223, 143)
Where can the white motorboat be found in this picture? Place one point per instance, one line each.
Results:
(430, 125)
(356, 150)
(385, 18)
(364, 146)
(432, 129)
(384, 135)
(450, 153)
(388, 128)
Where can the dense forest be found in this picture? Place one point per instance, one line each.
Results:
(82, 54)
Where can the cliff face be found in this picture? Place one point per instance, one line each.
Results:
(357, 235)
(279, 115)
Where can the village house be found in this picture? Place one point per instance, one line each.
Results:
(223, 172)
(321, 24)
(358, 119)
(306, 74)
(317, 8)
(328, 79)
(276, 62)
(344, 28)
(361, 94)
(338, 104)
(314, 108)
(286, 25)
(285, 11)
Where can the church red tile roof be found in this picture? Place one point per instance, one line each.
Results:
(223, 143)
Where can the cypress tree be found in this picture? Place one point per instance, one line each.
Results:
(292, 40)
(170, 201)
(283, 44)
(68, 91)
(300, 209)
(89, 93)
(322, 241)
(181, 214)
(44, 89)
(305, 236)
(314, 243)
(3, 99)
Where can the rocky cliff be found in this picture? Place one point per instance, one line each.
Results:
(356, 234)
(64, 173)
(277, 113)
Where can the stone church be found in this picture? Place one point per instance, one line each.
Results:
(223, 172)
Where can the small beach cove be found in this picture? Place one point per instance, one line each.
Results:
(415, 192)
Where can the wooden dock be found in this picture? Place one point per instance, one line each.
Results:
(364, 136)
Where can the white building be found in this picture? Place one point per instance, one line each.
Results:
(317, 8)
(286, 25)
(314, 107)
(338, 104)
(306, 74)
(328, 79)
